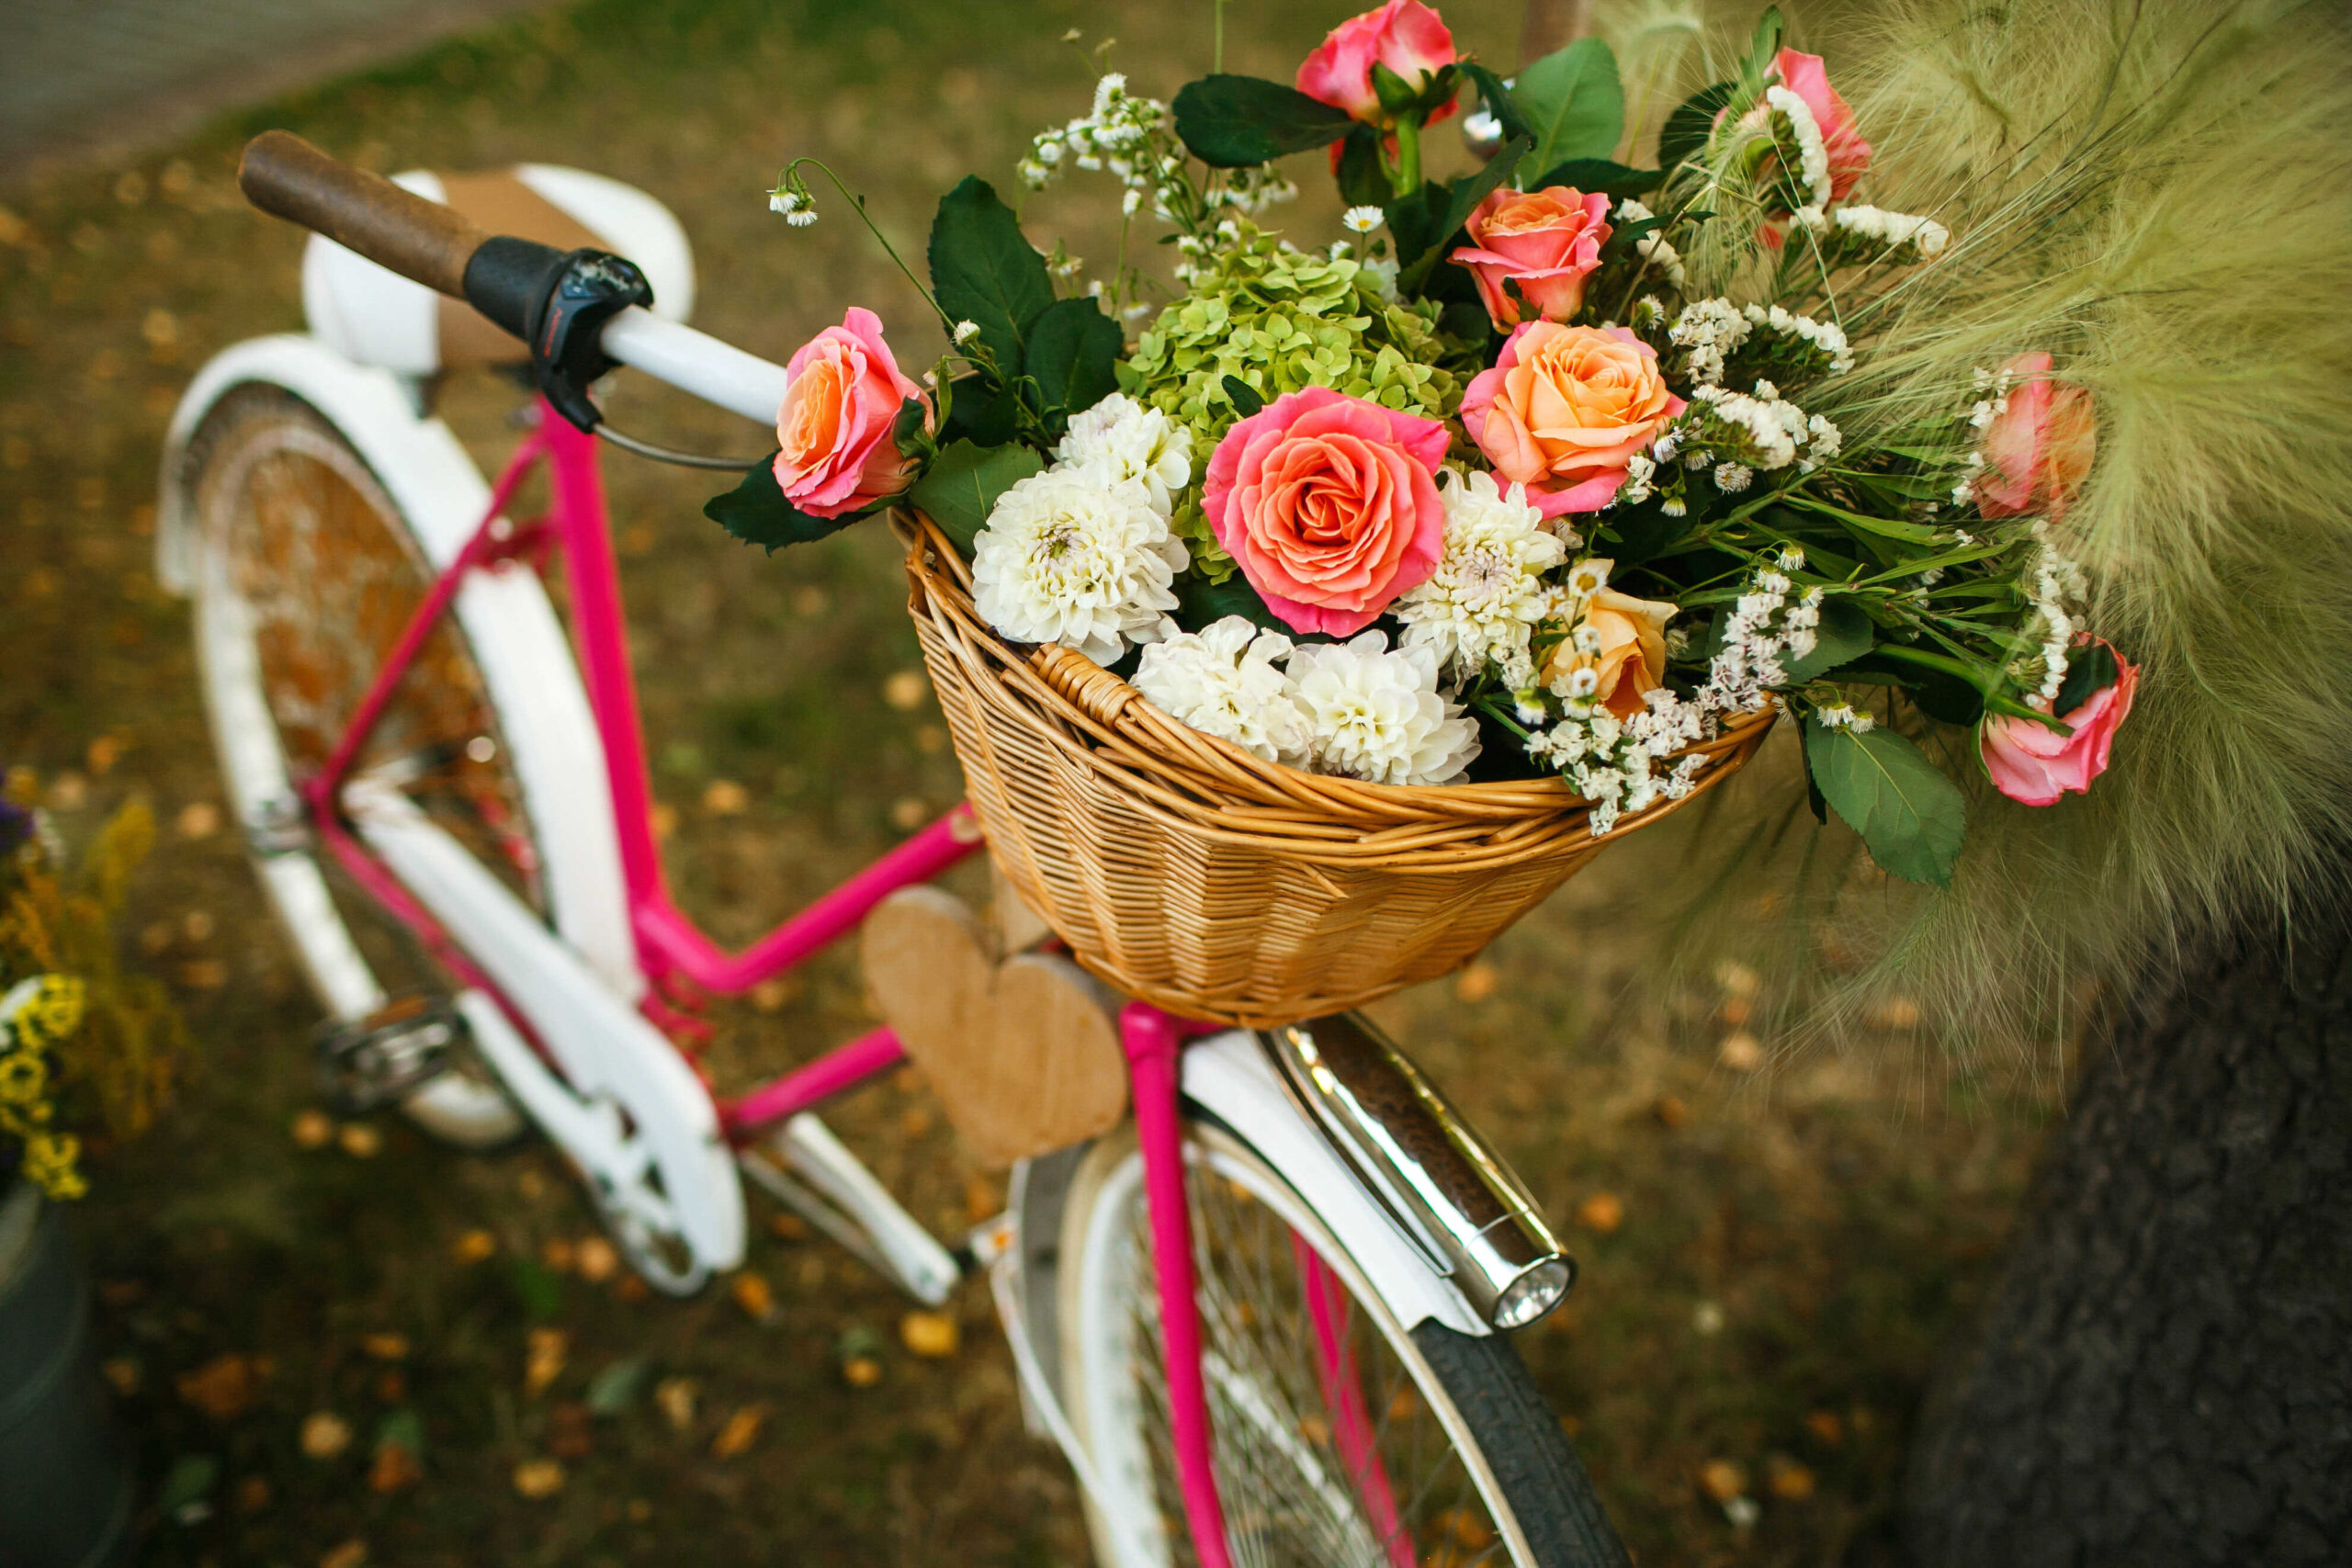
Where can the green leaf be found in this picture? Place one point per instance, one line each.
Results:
(1688, 126)
(984, 270)
(537, 1287)
(962, 487)
(1762, 45)
(1912, 817)
(1609, 178)
(1939, 694)
(612, 1391)
(1846, 632)
(1246, 398)
(1813, 790)
(1230, 122)
(983, 413)
(1361, 181)
(1198, 603)
(1499, 100)
(1071, 352)
(1461, 198)
(2090, 671)
(401, 1429)
(186, 1487)
(1572, 103)
(756, 512)
(907, 433)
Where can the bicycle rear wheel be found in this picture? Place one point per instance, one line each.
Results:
(306, 574)
(1342, 1435)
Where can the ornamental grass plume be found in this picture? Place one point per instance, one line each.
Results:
(2163, 193)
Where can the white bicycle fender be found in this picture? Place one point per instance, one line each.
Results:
(1229, 1077)
(525, 656)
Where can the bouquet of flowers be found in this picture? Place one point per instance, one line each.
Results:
(1557, 467)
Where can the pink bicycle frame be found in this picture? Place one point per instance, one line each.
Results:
(679, 959)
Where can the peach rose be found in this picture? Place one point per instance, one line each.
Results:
(1849, 155)
(1544, 243)
(1631, 660)
(1404, 34)
(2033, 764)
(2038, 451)
(1563, 409)
(1329, 505)
(834, 432)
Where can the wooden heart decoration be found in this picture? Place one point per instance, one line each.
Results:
(1023, 1053)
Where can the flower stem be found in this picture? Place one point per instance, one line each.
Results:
(1408, 176)
(858, 206)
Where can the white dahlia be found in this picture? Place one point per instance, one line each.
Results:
(1484, 598)
(1224, 680)
(1122, 439)
(1070, 558)
(1378, 716)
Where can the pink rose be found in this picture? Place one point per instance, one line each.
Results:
(1545, 242)
(834, 432)
(2033, 764)
(2038, 450)
(1849, 155)
(1404, 34)
(1564, 407)
(1329, 503)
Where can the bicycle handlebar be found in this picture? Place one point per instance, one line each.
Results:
(423, 241)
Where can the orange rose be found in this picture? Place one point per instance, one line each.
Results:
(1626, 652)
(2038, 450)
(1564, 407)
(835, 452)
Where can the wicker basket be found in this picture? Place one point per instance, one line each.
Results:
(1182, 870)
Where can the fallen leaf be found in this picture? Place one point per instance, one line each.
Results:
(557, 1253)
(934, 1336)
(312, 1129)
(787, 1227)
(360, 1141)
(198, 819)
(474, 1247)
(725, 797)
(905, 690)
(862, 1372)
(1602, 1213)
(394, 1469)
(324, 1435)
(753, 1295)
(770, 996)
(1403, 1406)
(198, 924)
(224, 1387)
(1736, 978)
(569, 1435)
(1896, 1012)
(631, 1288)
(385, 1346)
(596, 1258)
(1670, 1112)
(1722, 1480)
(1476, 983)
(69, 791)
(907, 1079)
(908, 812)
(1315, 1430)
(543, 1360)
(104, 752)
(1468, 1527)
(392, 1387)
(350, 1554)
(914, 1121)
(1826, 1426)
(203, 973)
(982, 1199)
(742, 1429)
(537, 1478)
(677, 1398)
(1788, 1480)
(252, 1494)
(1741, 1052)
(122, 1375)
(1736, 1011)
(666, 821)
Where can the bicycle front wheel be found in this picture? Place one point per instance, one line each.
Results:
(1342, 1435)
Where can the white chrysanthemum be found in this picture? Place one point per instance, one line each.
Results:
(1223, 680)
(1376, 715)
(1122, 439)
(1069, 558)
(1487, 593)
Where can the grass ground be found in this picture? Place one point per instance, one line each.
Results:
(1769, 1259)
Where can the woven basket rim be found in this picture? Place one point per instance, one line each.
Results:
(1229, 793)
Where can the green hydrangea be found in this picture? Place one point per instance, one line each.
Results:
(1280, 321)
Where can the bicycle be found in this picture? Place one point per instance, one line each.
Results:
(1272, 1305)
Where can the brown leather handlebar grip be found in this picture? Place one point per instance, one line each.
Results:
(285, 175)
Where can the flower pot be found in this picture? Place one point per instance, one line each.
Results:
(65, 1484)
